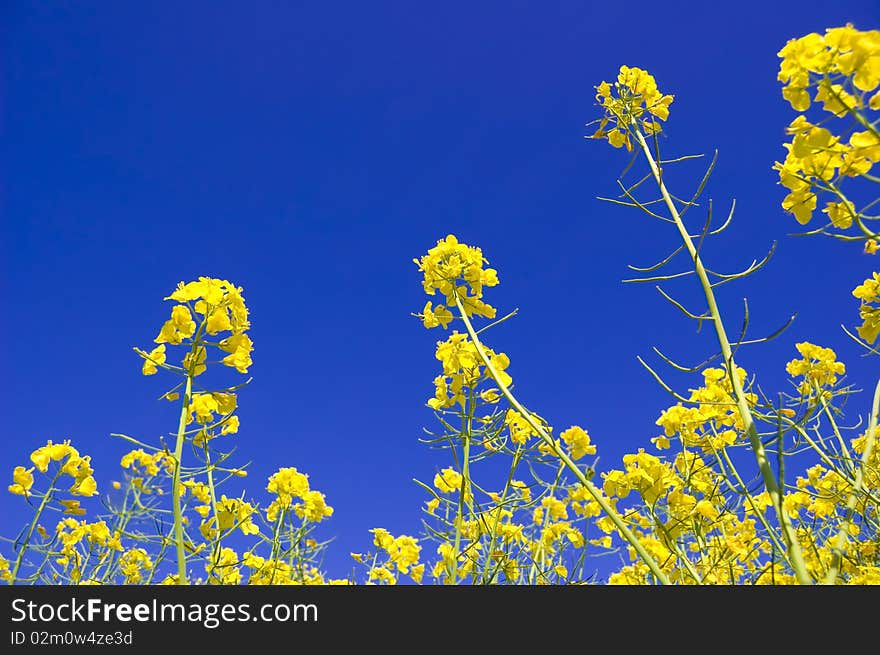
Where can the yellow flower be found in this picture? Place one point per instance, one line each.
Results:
(203, 405)
(154, 357)
(840, 213)
(52, 452)
(194, 362)
(85, 486)
(578, 442)
(218, 321)
(869, 310)
(179, 327)
(288, 483)
(72, 507)
(313, 508)
(240, 347)
(231, 513)
(22, 481)
(230, 425)
(818, 366)
(382, 538)
(433, 318)
(132, 564)
(224, 569)
(520, 429)
(448, 481)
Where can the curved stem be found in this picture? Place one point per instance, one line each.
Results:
(592, 489)
(794, 549)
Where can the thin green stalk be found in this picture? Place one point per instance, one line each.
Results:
(465, 487)
(175, 483)
(795, 555)
(276, 543)
(744, 490)
(496, 519)
(594, 491)
(856, 490)
(827, 410)
(215, 554)
(27, 539)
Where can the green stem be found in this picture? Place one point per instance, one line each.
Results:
(215, 554)
(856, 490)
(592, 489)
(175, 483)
(465, 487)
(794, 549)
(27, 539)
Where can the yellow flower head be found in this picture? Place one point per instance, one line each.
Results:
(632, 101)
(448, 480)
(818, 367)
(153, 358)
(457, 271)
(288, 483)
(22, 481)
(463, 369)
(52, 452)
(869, 293)
(314, 507)
(578, 442)
(841, 51)
(208, 306)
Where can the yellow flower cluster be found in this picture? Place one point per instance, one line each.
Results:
(232, 513)
(463, 371)
(818, 367)
(71, 533)
(224, 569)
(133, 563)
(578, 442)
(455, 269)
(72, 464)
(713, 421)
(817, 160)
(278, 572)
(843, 66)
(288, 484)
(869, 293)
(448, 481)
(140, 461)
(221, 308)
(400, 554)
(520, 429)
(632, 98)
(817, 60)
(205, 405)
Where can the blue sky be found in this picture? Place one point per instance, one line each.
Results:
(308, 151)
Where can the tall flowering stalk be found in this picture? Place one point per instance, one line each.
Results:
(457, 271)
(220, 308)
(633, 108)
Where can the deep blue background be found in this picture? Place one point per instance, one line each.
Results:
(308, 151)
